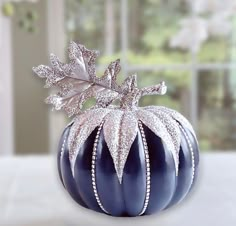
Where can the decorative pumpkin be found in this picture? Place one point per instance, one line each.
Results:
(122, 160)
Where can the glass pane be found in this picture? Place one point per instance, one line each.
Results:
(94, 24)
(177, 96)
(215, 50)
(219, 26)
(217, 110)
(152, 25)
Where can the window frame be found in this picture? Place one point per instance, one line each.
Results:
(194, 67)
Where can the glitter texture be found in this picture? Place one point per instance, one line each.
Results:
(77, 82)
(148, 170)
(171, 126)
(83, 126)
(120, 130)
(178, 117)
(156, 126)
(93, 170)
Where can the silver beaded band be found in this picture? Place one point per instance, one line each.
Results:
(191, 150)
(93, 169)
(63, 147)
(65, 139)
(148, 174)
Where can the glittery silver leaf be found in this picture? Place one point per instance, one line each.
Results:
(129, 84)
(159, 89)
(156, 125)
(73, 102)
(171, 126)
(70, 86)
(57, 65)
(49, 73)
(120, 129)
(110, 75)
(43, 71)
(83, 126)
(77, 82)
(81, 60)
(105, 98)
(79, 63)
(178, 117)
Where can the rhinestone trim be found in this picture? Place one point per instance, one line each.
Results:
(191, 150)
(63, 147)
(148, 173)
(93, 168)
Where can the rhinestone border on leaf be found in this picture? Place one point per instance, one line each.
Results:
(191, 150)
(93, 168)
(148, 172)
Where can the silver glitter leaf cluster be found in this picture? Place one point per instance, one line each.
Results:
(77, 82)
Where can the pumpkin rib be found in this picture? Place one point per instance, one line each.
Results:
(191, 151)
(61, 149)
(150, 120)
(178, 117)
(108, 186)
(163, 175)
(183, 181)
(171, 125)
(66, 173)
(194, 143)
(93, 170)
(134, 178)
(82, 176)
(82, 128)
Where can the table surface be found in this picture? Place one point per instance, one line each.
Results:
(31, 195)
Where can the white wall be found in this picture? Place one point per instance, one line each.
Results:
(56, 45)
(30, 111)
(27, 125)
(6, 88)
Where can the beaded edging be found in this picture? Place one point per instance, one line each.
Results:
(191, 150)
(93, 169)
(148, 173)
(63, 147)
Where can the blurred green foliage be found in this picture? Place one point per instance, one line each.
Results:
(151, 24)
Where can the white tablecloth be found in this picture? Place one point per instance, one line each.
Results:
(31, 194)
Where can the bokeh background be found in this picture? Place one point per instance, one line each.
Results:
(190, 44)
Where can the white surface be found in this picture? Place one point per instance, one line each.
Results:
(31, 194)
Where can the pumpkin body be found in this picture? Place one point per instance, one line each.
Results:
(149, 183)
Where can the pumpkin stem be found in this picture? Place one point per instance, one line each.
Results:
(131, 99)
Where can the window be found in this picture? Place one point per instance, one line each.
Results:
(182, 42)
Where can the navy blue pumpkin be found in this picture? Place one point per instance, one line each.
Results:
(120, 160)
(148, 185)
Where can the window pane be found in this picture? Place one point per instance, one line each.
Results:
(152, 24)
(220, 44)
(94, 24)
(177, 96)
(217, 110)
